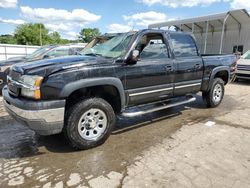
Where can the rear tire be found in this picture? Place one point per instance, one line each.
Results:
(89, 123)
(214, 96)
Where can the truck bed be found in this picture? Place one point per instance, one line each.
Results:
(222, 59)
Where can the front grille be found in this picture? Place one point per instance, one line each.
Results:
(12, 87)
(243, 67)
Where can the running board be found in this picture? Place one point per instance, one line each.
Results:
(142, 112)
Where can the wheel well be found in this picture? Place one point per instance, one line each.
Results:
(223, 75)
(106, 92)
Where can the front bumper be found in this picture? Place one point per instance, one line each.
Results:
(243, 74)
(44, 117)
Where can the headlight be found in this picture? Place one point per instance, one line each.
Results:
(31, 86)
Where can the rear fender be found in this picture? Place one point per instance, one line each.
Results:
(215, 71)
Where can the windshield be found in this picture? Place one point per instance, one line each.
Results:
(246, 55)
(38, 52)
(112, 48)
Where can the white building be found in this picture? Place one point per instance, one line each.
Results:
(227, 32)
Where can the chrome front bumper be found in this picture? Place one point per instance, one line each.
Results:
(243, 74)
(45, 118)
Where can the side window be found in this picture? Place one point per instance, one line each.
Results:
(184, 45)
(60, 51)
(152, 47)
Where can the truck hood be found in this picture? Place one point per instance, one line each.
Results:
(243, 62)
(49, 66)
(12, 61)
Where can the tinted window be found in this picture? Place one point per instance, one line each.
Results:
(152, 47)
(155, 50)
(60, 51)
(74, 50)
(184, 45)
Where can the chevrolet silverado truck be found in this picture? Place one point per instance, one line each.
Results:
(81, 95)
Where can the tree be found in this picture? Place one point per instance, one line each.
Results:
(55, 38)
(87, 34)
(7, 39)
(32, 34)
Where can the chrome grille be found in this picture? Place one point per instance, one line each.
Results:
(243, 67)
(12, 87)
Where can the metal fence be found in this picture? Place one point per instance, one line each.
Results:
(8, 51)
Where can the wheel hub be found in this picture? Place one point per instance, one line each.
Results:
(217, 94)
(92, 124)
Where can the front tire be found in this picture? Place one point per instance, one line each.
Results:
(89, 123)
(214, 96)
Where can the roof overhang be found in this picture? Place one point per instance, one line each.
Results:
(233, 19)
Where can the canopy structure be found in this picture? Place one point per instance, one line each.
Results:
(233, 20)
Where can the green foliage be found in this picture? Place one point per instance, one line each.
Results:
(64, 41)
(7, 39)
(38, 34)
(87, 34)
(55, 38)
(29, 34)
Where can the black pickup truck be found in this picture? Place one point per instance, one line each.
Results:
(81, 95)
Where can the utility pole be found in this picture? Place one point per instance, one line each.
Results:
(41, 42)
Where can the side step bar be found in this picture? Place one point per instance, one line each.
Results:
(138, 113)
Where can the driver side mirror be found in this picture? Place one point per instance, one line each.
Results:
(134, 57)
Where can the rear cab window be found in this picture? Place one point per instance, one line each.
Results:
(183, 45)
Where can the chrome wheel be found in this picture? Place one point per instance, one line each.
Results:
(217, 93)
(92, 124)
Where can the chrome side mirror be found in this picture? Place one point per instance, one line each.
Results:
(135, 55)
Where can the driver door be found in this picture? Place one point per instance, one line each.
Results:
(151, 78)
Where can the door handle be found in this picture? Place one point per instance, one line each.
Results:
(169, 68)
(197, 66)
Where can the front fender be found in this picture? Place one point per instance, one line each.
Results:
(89, 82)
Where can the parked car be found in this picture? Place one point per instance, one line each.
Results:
(99, 40)
(243, 67)
(45, 52)
(81, 95)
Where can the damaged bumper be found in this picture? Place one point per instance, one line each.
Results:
(44, 117)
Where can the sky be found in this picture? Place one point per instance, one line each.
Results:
(68, 16)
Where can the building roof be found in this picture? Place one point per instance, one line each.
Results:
(233, 19)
